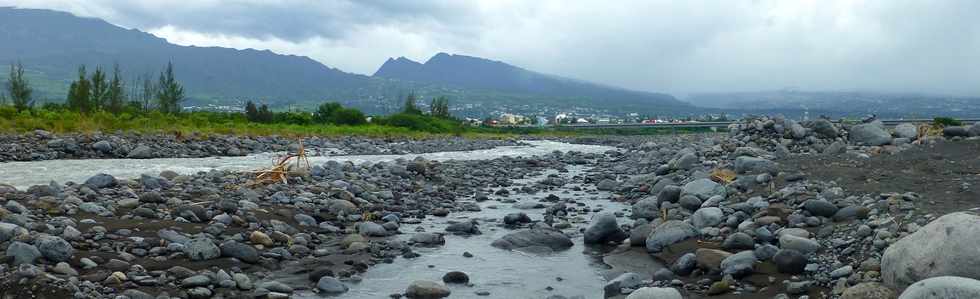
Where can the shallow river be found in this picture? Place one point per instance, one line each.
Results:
(26, 174)
(577, 271)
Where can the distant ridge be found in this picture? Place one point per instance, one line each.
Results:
(480, 73)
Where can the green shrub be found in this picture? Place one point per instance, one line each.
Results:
(946, 122)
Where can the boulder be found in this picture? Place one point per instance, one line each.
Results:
(803, 245)
(906, 130)
(946, 246)
(707, 217)
(22, 253)
(739, 264)
(655, 293)
(103, 146)
(710, 259)
(100, 181)
(201, 249)
(738, 241)
(685, 161)
(424, 289)
(789, 261)
(604, 229)
(141, 152)
(703, 189)
(553, 239)
(428, 239)
(868, 290)
(240, 251)
(371, 229)
(55, 249)
(331, 286)
(746, 164)
(626, 280)
(818, 207)
(869, 134)
(943, 287)
(607, 185)
(956, 131)
(646, 208)
(669, 233)
(685, 264)
(824, 128)
(974, 130)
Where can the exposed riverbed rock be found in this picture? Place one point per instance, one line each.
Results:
(944, 247)
(669, 233)
(553, 239)
(942, 287)
(604, 229)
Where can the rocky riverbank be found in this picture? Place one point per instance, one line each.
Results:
(42, 145)
(773, 209)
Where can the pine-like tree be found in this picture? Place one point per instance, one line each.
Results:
(410, 105)
(116, 94)
(99, 90)
(79, 93)
(169, 92)
(19, 88)
(251, 113)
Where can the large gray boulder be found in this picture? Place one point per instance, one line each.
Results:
(707, 217)
(604, 229)
(647, 208)
(943, 287)
(974, 130)
(9, 231)
(141, 152)
(796, 130)
(55, 249)
(201, 249)
(704, 189)
(803, 245)
(946, 246)
(22, 253)
(424, 289)
(869, 134)
(669, 233)
(100, 181)
(543, 237)
(824, 128)
(906, 130)
(685, 161)
(746, 164)
(739, 264)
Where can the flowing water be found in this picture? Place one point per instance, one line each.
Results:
(577, 271)
(26, 174)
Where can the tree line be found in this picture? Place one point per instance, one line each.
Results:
(102, 92)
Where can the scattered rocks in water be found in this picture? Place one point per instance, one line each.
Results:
(424, 289)
(456, 277)
(537, 237)
(330, 285)
(604, 229)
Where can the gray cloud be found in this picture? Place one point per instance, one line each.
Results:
(673, 46)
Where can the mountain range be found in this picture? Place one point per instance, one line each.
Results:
(52, 44)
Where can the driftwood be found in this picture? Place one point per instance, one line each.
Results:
(281, 167)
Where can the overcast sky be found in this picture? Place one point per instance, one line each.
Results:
(673, 46)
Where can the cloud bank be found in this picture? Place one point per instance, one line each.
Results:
(673, 46)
